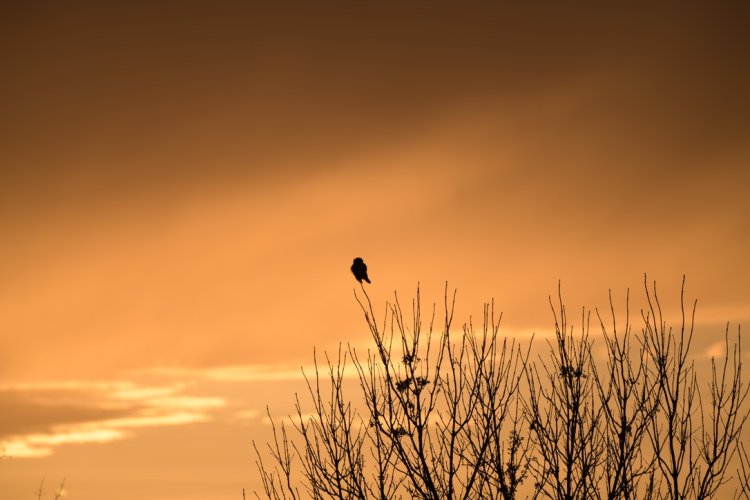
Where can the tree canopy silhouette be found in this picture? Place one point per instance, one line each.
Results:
(447, 413)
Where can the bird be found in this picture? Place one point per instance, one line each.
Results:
(359, 268)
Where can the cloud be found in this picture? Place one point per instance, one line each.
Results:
(43, 416)
(245, 373)
(247, 415)
(233, 373)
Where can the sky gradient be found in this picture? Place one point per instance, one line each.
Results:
(183, 187)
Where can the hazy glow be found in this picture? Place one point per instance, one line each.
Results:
(246, 415)
(183, 188)
(717, 350)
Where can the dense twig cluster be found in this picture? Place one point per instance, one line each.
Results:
(442, 415)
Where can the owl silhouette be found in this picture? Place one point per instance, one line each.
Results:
(359, 268)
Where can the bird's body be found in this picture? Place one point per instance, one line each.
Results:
(359, 269)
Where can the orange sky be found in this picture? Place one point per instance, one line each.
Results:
(183, 187)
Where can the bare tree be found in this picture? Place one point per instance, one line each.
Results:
(442, 415)
(628, 396)
(565, 415)
(446, 413)
(693, 439)
(743, 474)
